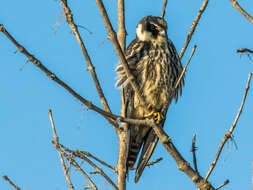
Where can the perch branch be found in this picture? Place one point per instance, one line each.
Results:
(56, 138)
(91, 68)
(228, 135)
(242, 11)
(193, 27)
(10, 182)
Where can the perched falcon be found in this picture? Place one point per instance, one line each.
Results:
(155, 64)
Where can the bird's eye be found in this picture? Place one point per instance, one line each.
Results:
(152, 27)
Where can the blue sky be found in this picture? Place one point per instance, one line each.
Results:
(214, 86)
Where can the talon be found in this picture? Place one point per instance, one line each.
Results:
(157, 117)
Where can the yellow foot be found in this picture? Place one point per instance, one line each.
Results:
(156, 115)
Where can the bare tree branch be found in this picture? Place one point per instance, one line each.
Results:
(220, 186)
(242, 11)
(81, 155)
(53, 77)
(56, 138)
(182, 164)
(10, 182)
(95, 158)
(193, 27)
(228, 135)
(150, 163)
(91, 68)
(193, 150)
(164, 8)
(74, 163)
(185, 67)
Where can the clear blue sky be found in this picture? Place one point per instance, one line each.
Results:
(212, 94)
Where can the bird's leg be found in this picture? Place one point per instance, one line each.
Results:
(157, 115)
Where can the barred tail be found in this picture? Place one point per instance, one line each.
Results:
(134, 150)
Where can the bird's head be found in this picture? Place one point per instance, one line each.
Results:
(152, 28)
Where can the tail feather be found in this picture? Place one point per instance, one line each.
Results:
(147, 151)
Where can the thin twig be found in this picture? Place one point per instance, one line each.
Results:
(164, 8)
(10, 182)
(98, 170)
(56, 138)
(74, 163)
(244, 50)
(242, 11)
(95, 158)
(91, 68)
(228, 135)
(193, 27)
(193, 150)
(81, 155)
(222, 185)
(185, 67)
(150, 163)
